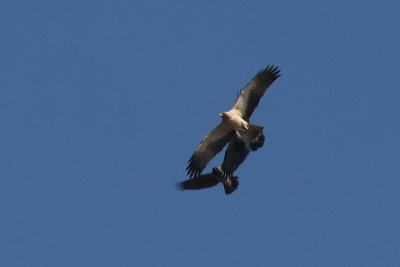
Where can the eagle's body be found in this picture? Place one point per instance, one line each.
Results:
(234, 121)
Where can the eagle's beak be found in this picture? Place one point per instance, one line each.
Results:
(221, 114)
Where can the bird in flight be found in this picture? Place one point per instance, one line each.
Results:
(235, 124)
(235, 154)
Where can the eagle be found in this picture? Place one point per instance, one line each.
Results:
(235, 154)
(235, 123)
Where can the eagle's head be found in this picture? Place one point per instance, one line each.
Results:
(224, 116)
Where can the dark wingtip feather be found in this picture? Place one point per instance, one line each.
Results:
(180, 186)
(270, 70)
(192, 170)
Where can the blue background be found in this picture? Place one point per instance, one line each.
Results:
(103, 102)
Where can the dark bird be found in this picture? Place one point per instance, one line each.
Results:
(237, 151)
(234, 122)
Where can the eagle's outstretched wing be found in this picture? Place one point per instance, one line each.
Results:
(199, 182)
(211, 145)
(209, 180)
(251, 94)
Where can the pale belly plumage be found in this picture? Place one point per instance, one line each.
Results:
(234, 121)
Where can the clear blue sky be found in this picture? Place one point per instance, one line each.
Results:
(103, 102)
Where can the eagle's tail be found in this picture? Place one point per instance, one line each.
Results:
(255, 129)
(252, 134)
